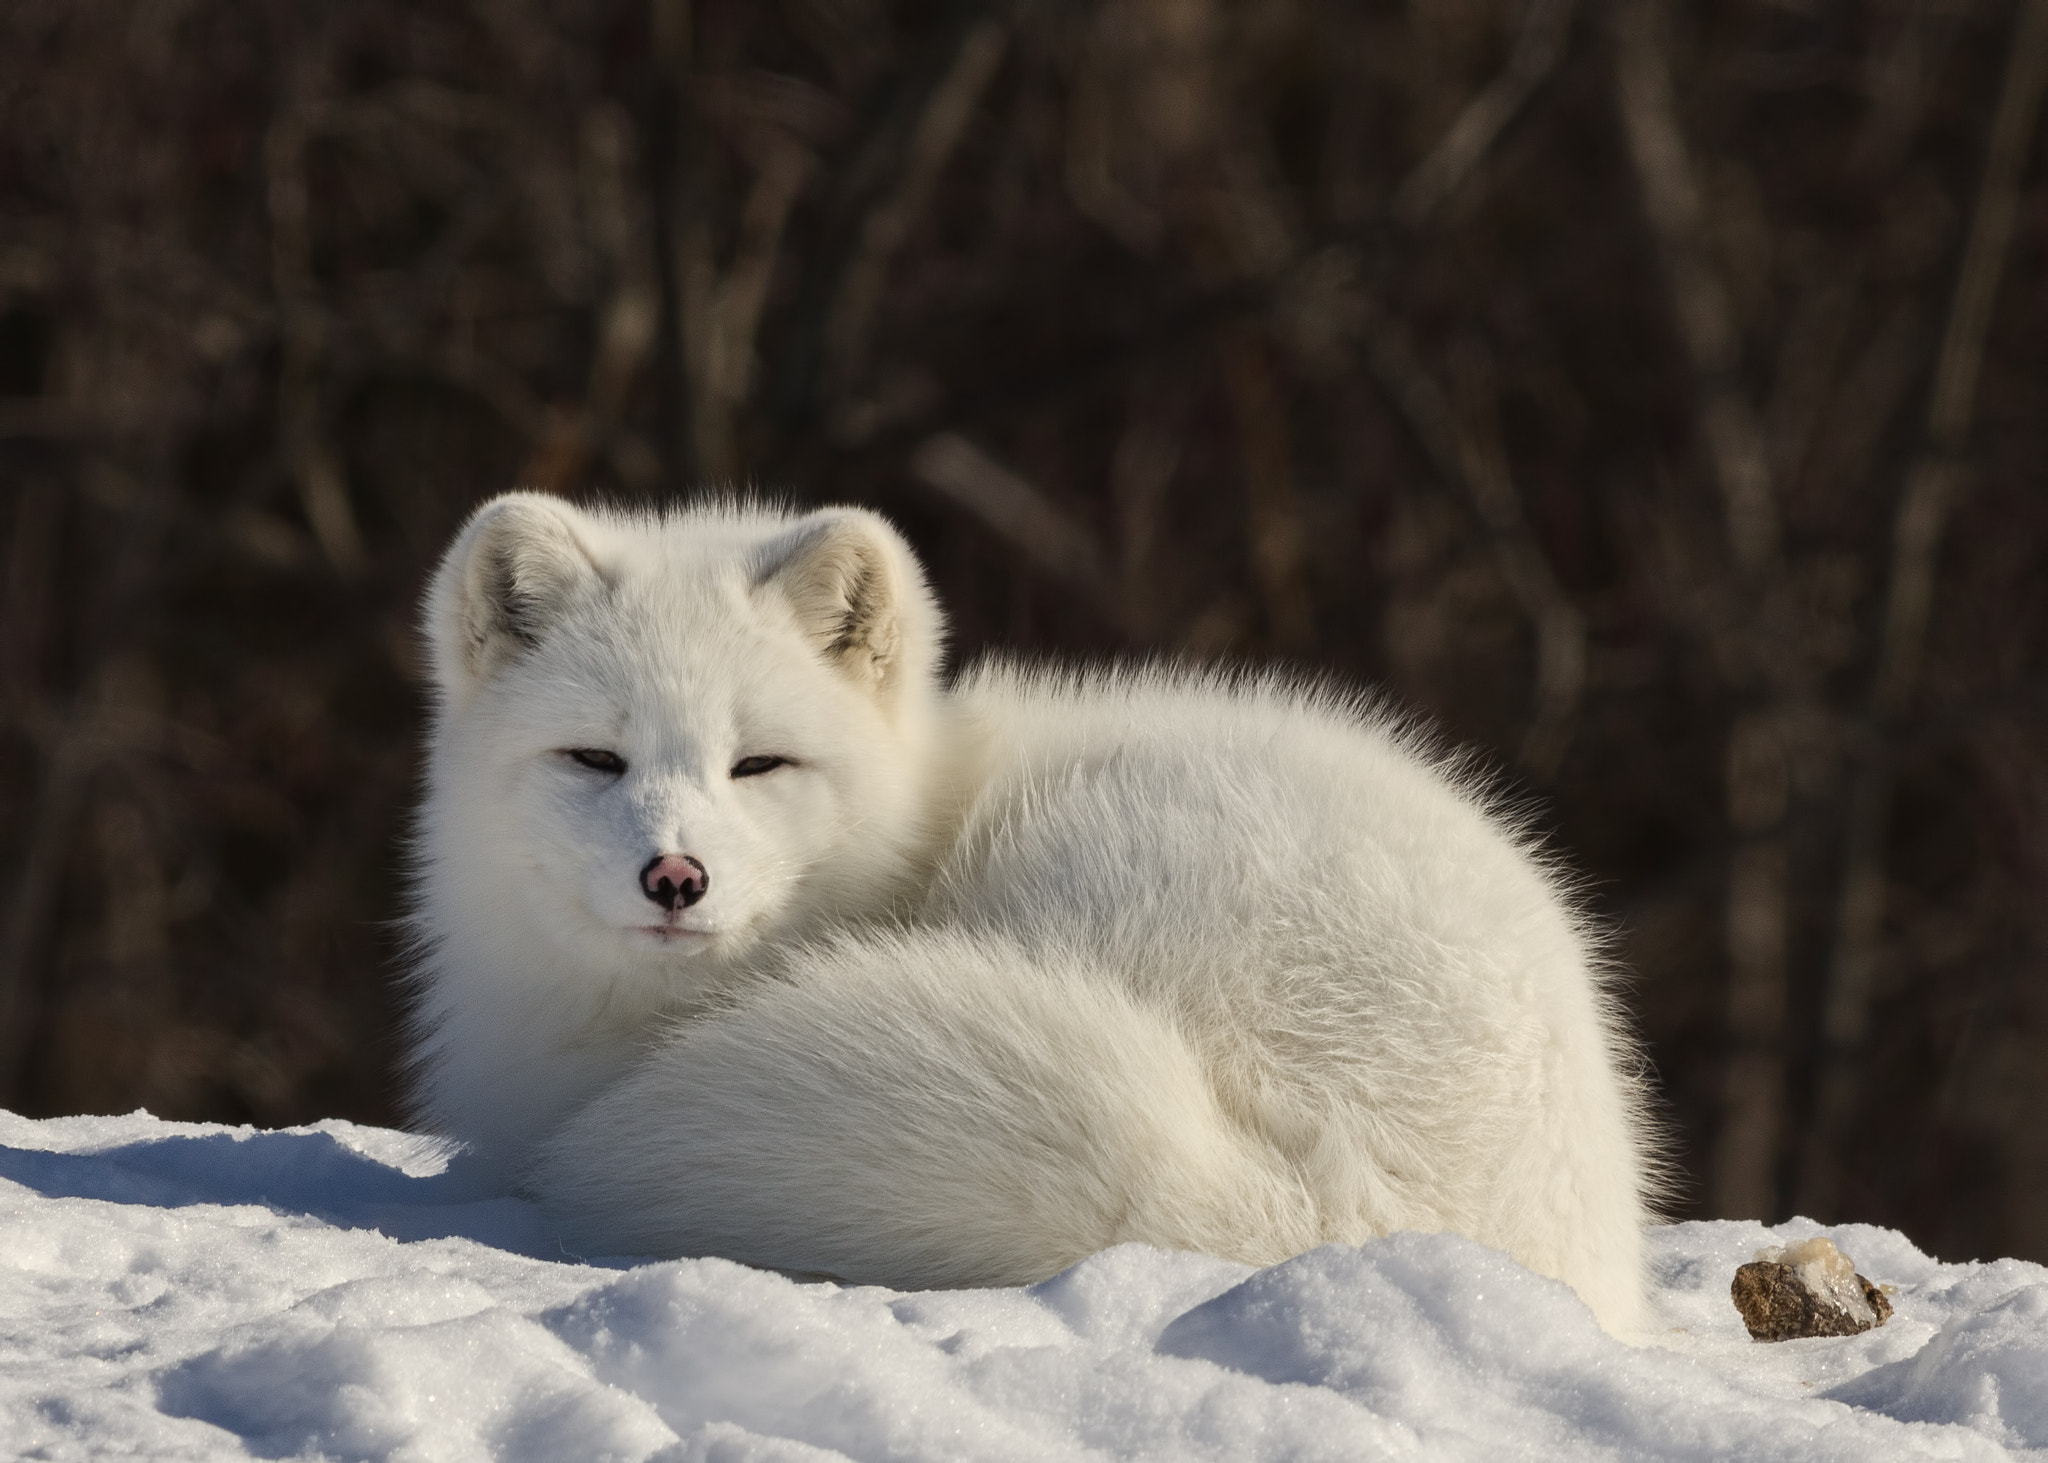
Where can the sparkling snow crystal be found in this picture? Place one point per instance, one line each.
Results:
(177, 1291)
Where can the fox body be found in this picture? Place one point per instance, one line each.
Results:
(742, 935)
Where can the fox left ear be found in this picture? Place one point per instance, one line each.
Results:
(858, 596)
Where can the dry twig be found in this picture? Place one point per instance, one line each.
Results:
(723, 373)
(1148, 454)
(1020, 513)
(1756, 918)
(1279, 543)
(938, 133)
(1546, 24)
(1701, 308)
(1464, 448)
(323, 486)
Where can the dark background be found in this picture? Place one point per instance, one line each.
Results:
(1651, 393)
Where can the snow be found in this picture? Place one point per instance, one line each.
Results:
(170, 1290)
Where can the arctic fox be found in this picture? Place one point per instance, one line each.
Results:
(743, 935)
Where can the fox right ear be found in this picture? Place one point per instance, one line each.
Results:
(512, 571)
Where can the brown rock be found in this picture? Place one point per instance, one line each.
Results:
(1776, 1305)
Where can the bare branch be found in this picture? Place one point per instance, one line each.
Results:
(1279, 543)
(1930, 487)
(1560, 628)
(630, 320)
(1141, 471)
(323, 486)
(36, 886)
(1757, 917)
(1538, 46)
(25, 625)
(1705, 316)
(1932, 484)
(1017, 510)
(889, 223)
(725, 377)
(680, 232)
(1464, 447)
(1756, 913)
(73, 746)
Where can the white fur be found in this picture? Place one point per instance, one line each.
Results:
(989, 978)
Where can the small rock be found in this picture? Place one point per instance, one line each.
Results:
(1807, 1289)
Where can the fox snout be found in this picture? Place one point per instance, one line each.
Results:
(672, 879)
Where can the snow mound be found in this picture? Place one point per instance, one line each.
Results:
(171, 1290)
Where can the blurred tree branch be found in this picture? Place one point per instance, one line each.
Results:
(1932, 483)
(1539, 45)
(1146, 323)
(1757, 778)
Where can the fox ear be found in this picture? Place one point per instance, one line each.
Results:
(858, 596)
(517, 565)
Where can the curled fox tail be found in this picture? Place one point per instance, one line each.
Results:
(918, 1112)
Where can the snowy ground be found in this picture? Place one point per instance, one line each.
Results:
(175, 1291)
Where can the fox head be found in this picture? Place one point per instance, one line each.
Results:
(662, 739)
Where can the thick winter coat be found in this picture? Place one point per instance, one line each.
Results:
(742, 935)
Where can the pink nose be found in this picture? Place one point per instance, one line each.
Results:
(671, 879)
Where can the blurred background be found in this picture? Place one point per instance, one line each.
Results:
(1650, 393)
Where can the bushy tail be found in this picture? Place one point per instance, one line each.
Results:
(921, 1111)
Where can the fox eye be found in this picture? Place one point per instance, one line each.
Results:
(597, 759)
(755, 766)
